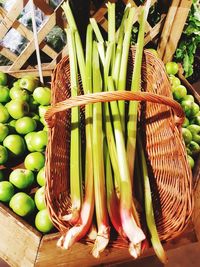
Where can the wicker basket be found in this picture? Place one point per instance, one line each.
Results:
(171, 177)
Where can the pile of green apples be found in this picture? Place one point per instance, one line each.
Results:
(191, 125)
(23, 139)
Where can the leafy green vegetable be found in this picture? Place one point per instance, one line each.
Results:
(190, 40)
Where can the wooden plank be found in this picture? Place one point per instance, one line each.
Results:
(46, 72)
(50, 255)
(167, 27)
(22, 58)
(155, 30)
(47, 9)
(19, 241)
(8, 20)
(177, 29)
(7, 53)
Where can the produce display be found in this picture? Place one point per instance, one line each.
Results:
(23, 140)
(110, 190)
(191, 125)
(101, 182)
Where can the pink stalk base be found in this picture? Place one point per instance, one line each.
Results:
(101, 241)
(80, 229)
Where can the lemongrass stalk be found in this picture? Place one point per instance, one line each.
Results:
(124, 63)
(111, 30)
(85, 220)
(99, 38)
(84, 223)
(150, 219)
(130, 227)
(113, 203)
(75, 177)
(107, 119)
(99, 176)
(136, 86)
(120, 39)
(79, 48)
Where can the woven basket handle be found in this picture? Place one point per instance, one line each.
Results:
(83, 100)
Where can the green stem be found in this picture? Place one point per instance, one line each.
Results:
(136, 86)
(75, 172)
(127, 209)
(111, 30)
(124, 63)
(151, 224)
(118, 54)
(99, 176)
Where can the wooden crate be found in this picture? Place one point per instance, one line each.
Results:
(173, 28)
(22, 245)
(10, 20)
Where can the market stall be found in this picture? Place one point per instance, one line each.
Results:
(78, 184)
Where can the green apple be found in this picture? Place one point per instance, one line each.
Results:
(15, 145)
(29, 83)
(22, 204)
(25, 125)
(3, 131)
(41, 177)
(28, 137)
(4, 115)
(21, 178)
(195, 131)
(190, 161)
(34, 161)
(195, 109)
(42, 95)
(171, 68)
(193, 147)
(187, 107)
(43, 222)
(195, 120)
(17, 84)
(39, 141)
(153, 51)
(3, 78)
(187, 136)
(16, 93)
(179, 92)
(189, 97)
(3, 155)
(186, 123)
(6, 191)
(42, 110)
(4, 94)
(17, 108)
(40, 198)
(32, 103)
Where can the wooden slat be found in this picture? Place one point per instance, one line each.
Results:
(177, 29)
(8, 20)
(167, 27)
(50, 255)
(31, 46)
(19, 241)
(7, 53)
(155, 30)
(47, 9)
(28, 34)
